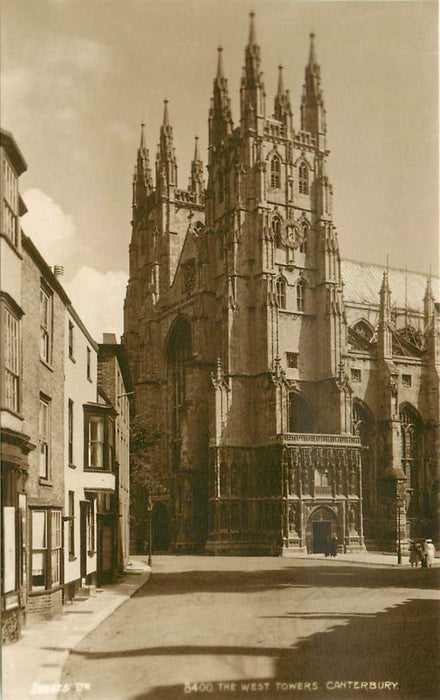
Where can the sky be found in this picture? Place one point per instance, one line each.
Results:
(78, 77)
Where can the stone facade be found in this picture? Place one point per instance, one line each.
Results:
(280, 419)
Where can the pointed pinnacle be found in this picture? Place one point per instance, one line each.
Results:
(280, 81)
(220, 72)
(428, 293)
(142, 144)
(166, 121)
(312, 54)
(252, 40)
(196, 150)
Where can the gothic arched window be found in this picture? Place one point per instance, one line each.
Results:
(281, 293)
(303, 245)
(303, 179)
(275, 172)
(301, 295)
(276, 229)
(363, 427)
(410, 443)
(179, 353)
(364, 329)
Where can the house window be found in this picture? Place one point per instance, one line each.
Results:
(356, 375)
(90, 522)
(71, 524)
(89, 364)
(11, 361)
(45, 324)
(10, 203)
(43, 438)
(71, 340)
(300, 296)
(46, 549)
(275, 172)
(96, 442)
(303, 179)
(292, 360)
(70, 427)
(406, 380)
(281, 293)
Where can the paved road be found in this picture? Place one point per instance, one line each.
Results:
(220, 624)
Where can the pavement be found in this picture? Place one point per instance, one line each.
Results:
(30, 670)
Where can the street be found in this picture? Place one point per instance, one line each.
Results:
(234, 627)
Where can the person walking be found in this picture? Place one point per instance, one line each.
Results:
(429, 551)
(421, 554)
(414, 555)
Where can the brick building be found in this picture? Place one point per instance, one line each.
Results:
(16, 443)
(297, 393)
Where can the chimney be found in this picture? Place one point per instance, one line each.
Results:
(58, 270)
(109, 339)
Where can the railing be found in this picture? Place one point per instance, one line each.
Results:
(323, 490)
(320, 439)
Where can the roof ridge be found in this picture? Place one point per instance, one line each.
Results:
(390, 267)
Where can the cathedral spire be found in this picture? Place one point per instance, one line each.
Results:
(428, 302)
(166, 164)
(142, 180)
(196, 181)
(252, 86)
(312, 103)
(220, 117)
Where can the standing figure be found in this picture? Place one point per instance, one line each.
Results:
(327, 546)
(334, 546)
(429, 551)
(420, 553)
(414, 555)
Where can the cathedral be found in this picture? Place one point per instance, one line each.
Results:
(296, 392)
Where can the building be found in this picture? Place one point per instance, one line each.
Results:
(297, 393)
(64, 442)
(113, 512)
(80, 485)
(16, 444)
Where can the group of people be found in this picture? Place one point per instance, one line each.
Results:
(422, 551)
(331, 546)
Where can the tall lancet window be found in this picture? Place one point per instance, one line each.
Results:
(301, 295)
(304, 232)
(303, 179)
(281, 293)
(179, 353)
(410, 441)
(275, 172)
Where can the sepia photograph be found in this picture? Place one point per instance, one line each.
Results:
(220, 350)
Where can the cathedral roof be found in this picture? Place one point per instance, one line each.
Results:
(362, 282)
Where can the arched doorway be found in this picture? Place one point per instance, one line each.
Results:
(160, 527)
(322, 524)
